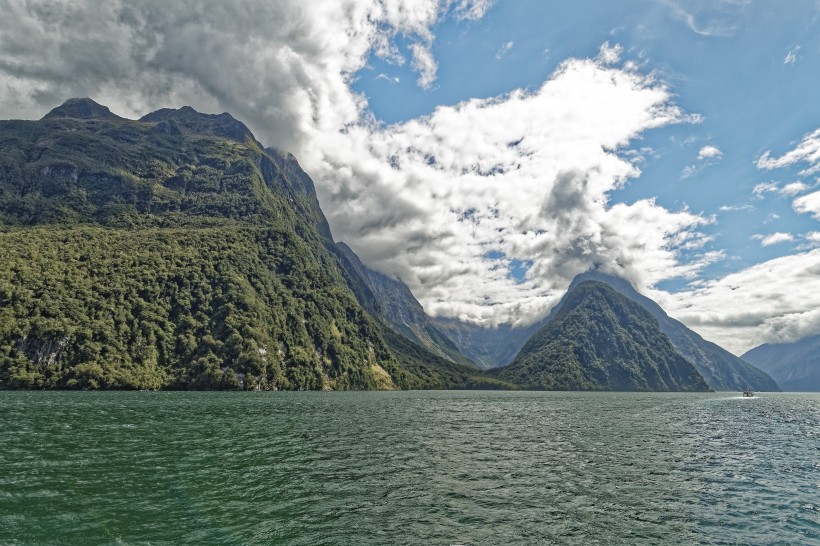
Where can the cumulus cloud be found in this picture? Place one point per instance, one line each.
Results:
(807, 151)
(774, 238)
(526, 175)
(808, 204)
(774, 301)
(709, 152)
(793, 189)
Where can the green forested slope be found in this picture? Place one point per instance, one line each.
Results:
(221, 307)
(173, 252)
(601, 340)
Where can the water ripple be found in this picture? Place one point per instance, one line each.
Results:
(408, 468)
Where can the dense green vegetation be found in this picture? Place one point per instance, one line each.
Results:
(722, 370)
(601, 340)
(227, 307)
(177, 252)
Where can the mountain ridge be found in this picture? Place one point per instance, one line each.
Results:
(599, 339)
(174, 251)
(722, 370)
(795, 366)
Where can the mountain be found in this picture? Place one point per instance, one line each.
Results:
(795, 366)
(175, 251)
(601, 340)
(488, 347)
(722, 370)
(393, 301)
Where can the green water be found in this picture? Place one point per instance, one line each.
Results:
(408, 468)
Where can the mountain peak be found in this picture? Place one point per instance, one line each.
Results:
(222, 125)
(602, 340)
(721, 369)
(81, 108)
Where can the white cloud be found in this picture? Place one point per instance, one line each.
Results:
(504, 49)
(808, 204)
(688, 171)
(709, 152)
(424, 63)
(810, 240)
(764, 188)
(791, 56)
(610, 54)
(774, 238)
(391, 79)
(773, 301)
(710, 19)
(735, 208)
(806, 151)
(793, 189)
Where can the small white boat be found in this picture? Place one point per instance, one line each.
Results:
(748, 392)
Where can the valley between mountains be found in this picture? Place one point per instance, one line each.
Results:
(178, 252)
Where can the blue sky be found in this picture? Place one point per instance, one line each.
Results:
(751, 70)
(487, 151)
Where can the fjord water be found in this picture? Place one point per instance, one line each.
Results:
(408, 468)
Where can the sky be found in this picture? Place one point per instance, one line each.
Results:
(486, 152)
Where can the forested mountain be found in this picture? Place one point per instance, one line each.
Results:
(795, 366)
(601, 340)
(175, 252)
(722, 370)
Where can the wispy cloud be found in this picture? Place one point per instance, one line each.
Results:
(391, 79)
(710, 19)
(807, 151)
(424, 63)
(774, 238)
(791, 56)
(763, 188)
(503, 50)
(736, 208)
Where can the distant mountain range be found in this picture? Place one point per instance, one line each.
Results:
(723, 371)
(176, 251)
(795, 366)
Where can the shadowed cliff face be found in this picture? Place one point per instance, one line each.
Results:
(391, 301)
(601, 340)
